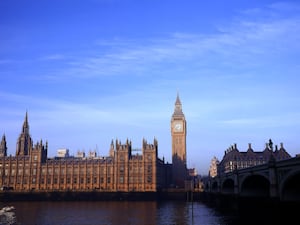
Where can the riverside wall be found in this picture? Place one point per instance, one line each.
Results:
(177, 195)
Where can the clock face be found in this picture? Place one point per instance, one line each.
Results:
(178, 127)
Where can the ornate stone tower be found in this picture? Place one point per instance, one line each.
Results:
(24, 143)
(178, 132)
(3, 147)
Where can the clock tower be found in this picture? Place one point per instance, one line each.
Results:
(178, 132)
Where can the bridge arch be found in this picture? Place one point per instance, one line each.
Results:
(290, 187)
(255, 186)
(227, 186)
(214, 186)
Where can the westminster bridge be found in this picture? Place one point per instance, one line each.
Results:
(278, 180)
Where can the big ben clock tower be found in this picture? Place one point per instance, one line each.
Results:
(178, 132)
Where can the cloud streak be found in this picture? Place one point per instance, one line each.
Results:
(241, 44)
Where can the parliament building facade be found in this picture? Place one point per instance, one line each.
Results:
(31, 169)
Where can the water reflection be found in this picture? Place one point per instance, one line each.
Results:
(116, 213)
(187, 213)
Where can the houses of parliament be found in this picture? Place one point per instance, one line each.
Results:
(31, 169)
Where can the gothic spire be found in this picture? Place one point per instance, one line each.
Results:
(178, 107)
(24, 143)
(3, 147)
(178, 102)
(26, 124)
(3, 137)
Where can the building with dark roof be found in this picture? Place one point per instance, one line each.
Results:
(235, 159)
(124, 169)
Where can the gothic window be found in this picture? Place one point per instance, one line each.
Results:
(149, 169)
(149, 179)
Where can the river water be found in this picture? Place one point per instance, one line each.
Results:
(117, 213)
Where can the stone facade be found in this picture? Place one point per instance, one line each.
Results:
(124, 169)
(3, 147)
(235, 159)
(30, 169)
(213, 168)
(178, 132)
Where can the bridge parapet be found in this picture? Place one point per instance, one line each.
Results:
(274, 179)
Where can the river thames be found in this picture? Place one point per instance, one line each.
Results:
(119, 212)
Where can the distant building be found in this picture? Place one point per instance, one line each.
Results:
(63, 153)
(234, 159)
(31, 169)
(92, 154)
(192, 172)
(213, 169)
(80, 154)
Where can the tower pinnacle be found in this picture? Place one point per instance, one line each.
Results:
(178, 107)
(24, 143)
(3, 147)
(25, 129)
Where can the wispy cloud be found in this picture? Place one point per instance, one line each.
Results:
(95, 111)
(52, 57)
(240, 44)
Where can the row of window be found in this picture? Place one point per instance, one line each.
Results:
(75, 180)
(229, 166)
(71, 170)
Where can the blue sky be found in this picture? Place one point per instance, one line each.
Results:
(96, 70)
